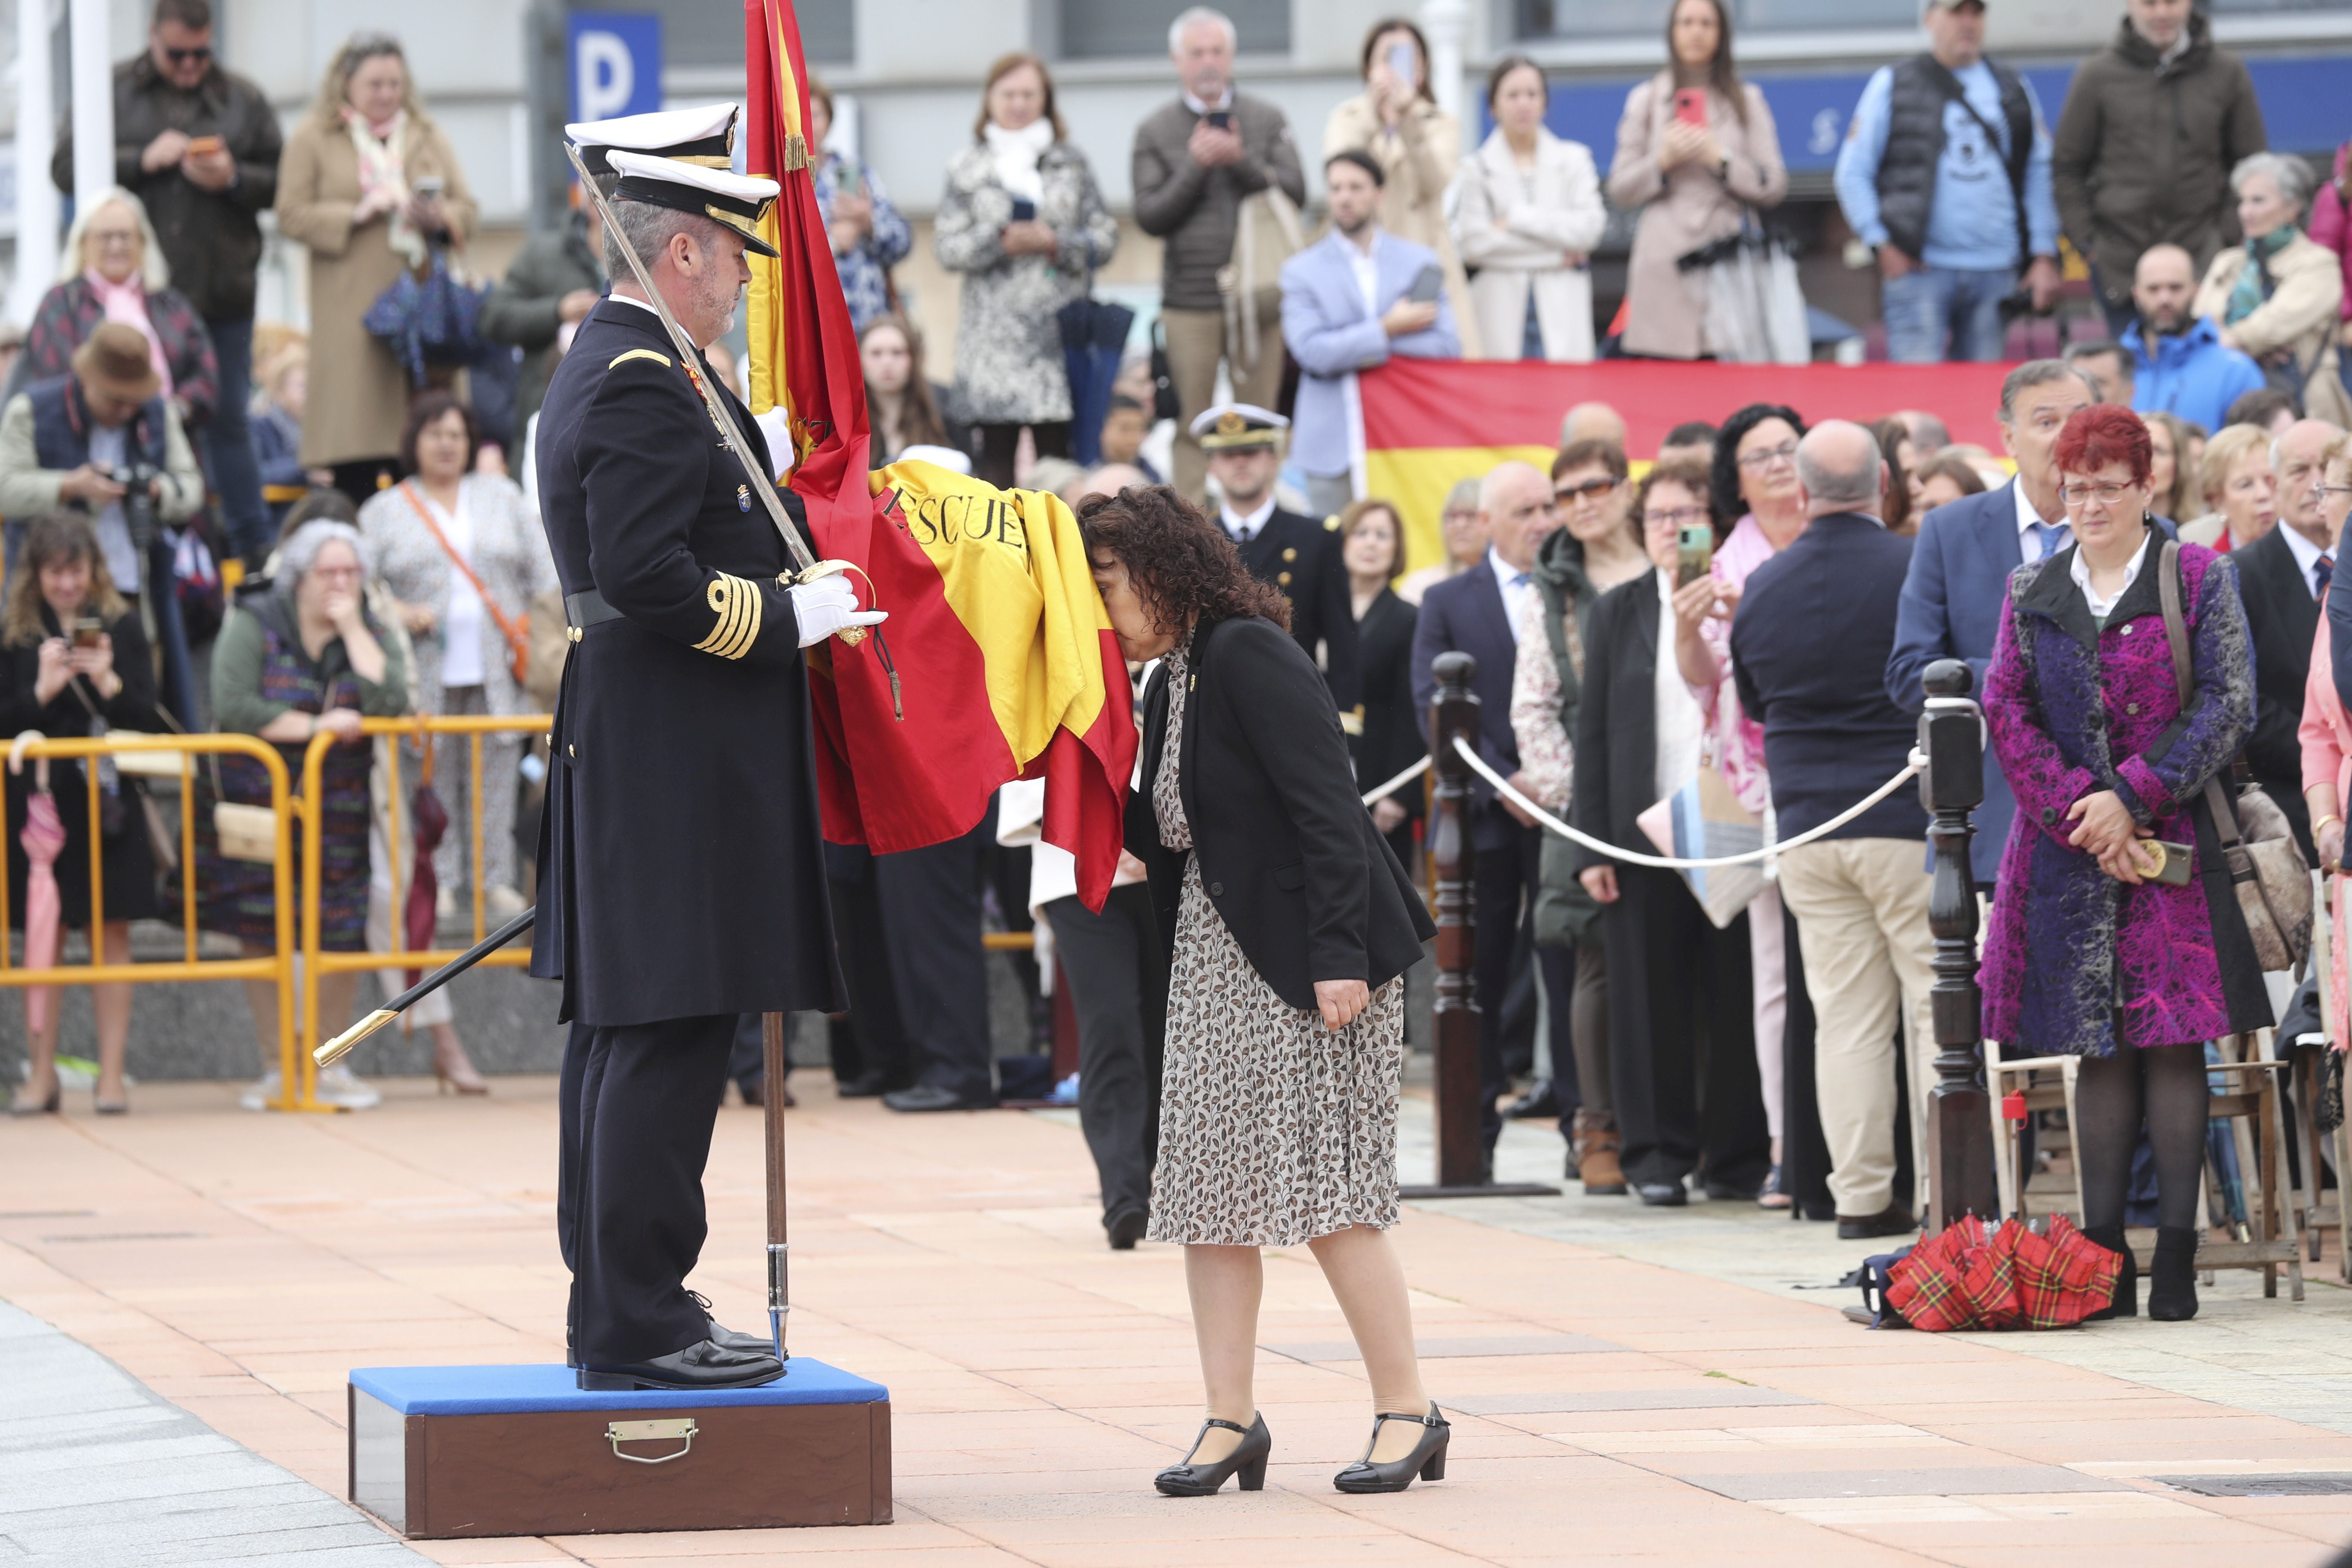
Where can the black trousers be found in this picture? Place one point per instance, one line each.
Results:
(1505, 883)
(930, 914)
(1118, 974)
(638, 1103)
(998, 444)
(1804, 1147)
(873, 1040)
(1682, 1038)
(747, 1062)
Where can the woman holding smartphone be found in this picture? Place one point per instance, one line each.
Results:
(1419, 147)
(2086, 954)
(76, 663)
(1695, 148)
(371, 185)
(1024, 223)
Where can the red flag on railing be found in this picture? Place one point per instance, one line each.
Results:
(1008, 667)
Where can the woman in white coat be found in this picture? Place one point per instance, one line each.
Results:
(1527, 215)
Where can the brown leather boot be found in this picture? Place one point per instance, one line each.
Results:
(1596, 1155)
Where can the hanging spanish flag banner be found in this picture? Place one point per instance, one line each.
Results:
(1006, 665)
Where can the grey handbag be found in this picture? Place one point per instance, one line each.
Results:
(2267, 866)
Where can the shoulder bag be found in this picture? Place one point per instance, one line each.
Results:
(518, 636)
(2266, 867)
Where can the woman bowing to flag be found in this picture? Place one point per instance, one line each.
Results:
(1293, 927)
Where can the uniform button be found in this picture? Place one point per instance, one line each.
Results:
(1216, 890)
(1282, 579)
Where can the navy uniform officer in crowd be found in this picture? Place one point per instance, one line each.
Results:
(682, 873)
(1296, 555)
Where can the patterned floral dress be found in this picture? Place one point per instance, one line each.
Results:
(1273, 1130)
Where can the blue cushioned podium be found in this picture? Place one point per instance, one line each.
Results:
(442, 1451)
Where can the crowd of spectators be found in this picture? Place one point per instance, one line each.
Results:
(1735, 1039)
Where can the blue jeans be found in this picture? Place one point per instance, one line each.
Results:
(228, 441)
(1928, 303)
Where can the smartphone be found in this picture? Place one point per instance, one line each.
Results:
(205, 146)
(430, 185)
(1023, 210)
(1220, 119)
(2160, 862)
(1690, 107)
(1400, 61)
(1694, 553)
(845, 176)
(1426, 284)
(87, 630)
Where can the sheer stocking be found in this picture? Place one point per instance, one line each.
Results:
(2164, 1085)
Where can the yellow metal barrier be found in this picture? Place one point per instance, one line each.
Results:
(296, 1082)
(392, 731)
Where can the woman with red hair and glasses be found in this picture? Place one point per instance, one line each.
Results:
(2088, 954)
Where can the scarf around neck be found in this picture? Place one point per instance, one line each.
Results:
(2253, 284)
(382, 167)
(127, 302)
(1015, 153)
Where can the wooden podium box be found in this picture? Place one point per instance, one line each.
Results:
(442, 1451)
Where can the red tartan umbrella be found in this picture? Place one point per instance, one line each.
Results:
(2014, 1278)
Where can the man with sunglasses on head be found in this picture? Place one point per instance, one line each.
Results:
(198, 145)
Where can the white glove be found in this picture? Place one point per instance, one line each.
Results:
(828, 606)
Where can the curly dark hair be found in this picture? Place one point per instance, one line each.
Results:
(1183, 564)
(1728, 507)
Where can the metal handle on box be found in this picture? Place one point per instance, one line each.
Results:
(678, 1432)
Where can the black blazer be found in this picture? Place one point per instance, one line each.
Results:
(1465, 614)
(1393, 740)
(1289, 854)
(1301, 558)
(1617, 723)
(2281, 618)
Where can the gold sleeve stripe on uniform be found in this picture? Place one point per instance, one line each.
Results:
(661, 360)
(739, 610)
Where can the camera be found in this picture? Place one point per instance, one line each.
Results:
(138, 480)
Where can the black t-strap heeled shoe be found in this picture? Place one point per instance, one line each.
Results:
(1427, 1459)
(1247, 1462)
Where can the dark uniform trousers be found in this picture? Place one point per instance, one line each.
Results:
(1682, 1037)
(1505, 879)
(1118, 975)
(931, 909)
(636, 1103)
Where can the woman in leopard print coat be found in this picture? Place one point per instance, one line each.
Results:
(1293, 925)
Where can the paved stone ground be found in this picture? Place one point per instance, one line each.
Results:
(1628, 1385)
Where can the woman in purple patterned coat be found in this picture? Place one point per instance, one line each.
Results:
(2085, 956)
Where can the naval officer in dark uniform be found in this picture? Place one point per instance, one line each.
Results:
(1296, 555)
(682, 879)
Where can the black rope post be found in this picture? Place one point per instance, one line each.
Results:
(1465, 1166)
(1959, 1145)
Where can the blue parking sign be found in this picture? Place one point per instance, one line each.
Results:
(615, 59)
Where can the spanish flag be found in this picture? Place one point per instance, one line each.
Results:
(1006, 663)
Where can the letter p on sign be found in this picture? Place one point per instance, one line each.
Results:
(617, 64)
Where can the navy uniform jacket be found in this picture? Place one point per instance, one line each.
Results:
(1301, 558)
(681, 868)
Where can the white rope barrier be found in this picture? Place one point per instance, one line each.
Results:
(1374, 796)
(1665, 863)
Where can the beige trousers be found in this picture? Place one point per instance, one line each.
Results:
(1196, 346)
(1862, 925)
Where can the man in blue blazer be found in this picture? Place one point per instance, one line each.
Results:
(1482, 611)
(1959, 581)
(1350, 301)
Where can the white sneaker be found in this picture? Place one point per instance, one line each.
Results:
(338, 1085)
(258, 1097)
(503, 901)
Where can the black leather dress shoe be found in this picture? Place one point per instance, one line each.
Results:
(1663, 1194)
(1126, 1228)
(1540, 1100)
(732, 1338)
(866, 1086)
(698, 1366)
(929, 1097)
(1892, 1220)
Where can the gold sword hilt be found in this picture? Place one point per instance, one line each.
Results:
(850, 636)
